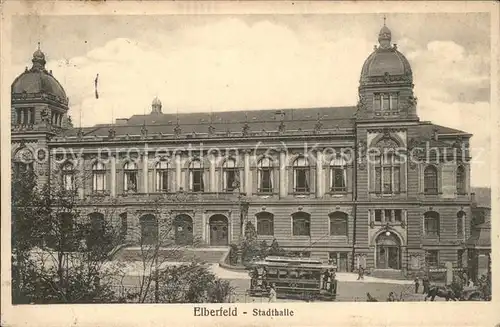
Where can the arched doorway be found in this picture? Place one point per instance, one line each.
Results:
(149, 229)
(388, 251)
(183, 225)
(219, 230)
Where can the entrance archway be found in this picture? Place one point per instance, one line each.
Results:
(149, 229)
(219, 230)
(183, 225)
(388, 251)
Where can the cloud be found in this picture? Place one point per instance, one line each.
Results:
(231, 64)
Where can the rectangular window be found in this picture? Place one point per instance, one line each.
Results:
(230, 179)
(130, 181)
(32, 118)
(376, 101)
(338, 182)
(265, 179)
(301, 180)
(398, 215)
(396, 179)
(25, 116)
(388, 215)
(385, 102)
(432, 258)
(387, 184)
(68, 181)
(394, 101)
(19, 116)
(378, 215)
(99, 181)
(197, 180)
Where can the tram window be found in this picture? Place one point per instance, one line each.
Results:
(294, 274)
(273, 273)
(316, 275)
(283, 274)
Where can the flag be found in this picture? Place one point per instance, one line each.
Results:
(95, 86)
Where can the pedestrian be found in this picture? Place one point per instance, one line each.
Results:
(272, 293)
(417, 284)
(426, 284)
(361, 273)
(326, 276)
(465, 278)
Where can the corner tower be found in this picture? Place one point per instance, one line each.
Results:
(386, 83)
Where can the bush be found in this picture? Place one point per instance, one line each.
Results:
(233, 254)
(275, 249)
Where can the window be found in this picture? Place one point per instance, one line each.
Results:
(338, 175)
(301, 175)
(301, 224)
(431, 224)
(196, 176)
(162, 176)
(430, 180)
(67, 176)
(387, 173)
(460, 224)
(98, 177)
(338, 224)
(385, 101)
(461, 180)
(432, 258)
(265, 223)
(265, 175)
(388, 215)
(130, 177)
(123, 226)
(398, 215)
(229, 173)
(21, 168)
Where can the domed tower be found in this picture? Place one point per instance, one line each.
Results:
(156, 106)
(386, 83)
(39, 109)
(38, 100)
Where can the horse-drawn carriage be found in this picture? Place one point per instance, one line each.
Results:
(302, 278)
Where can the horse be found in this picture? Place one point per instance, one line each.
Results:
(440, 291)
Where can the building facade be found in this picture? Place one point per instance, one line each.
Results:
(368, 185)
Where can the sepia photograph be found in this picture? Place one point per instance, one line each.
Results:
(250, 158)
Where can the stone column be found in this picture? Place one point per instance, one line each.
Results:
(178, 171)
(145, 173)
(248, 179)
(282, 173)
(213, 181)
(319, 174)
(81, 178)
(113, 176)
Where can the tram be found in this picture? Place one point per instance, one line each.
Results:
(302, 278)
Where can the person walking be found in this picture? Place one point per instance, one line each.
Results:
(272, 293)
(361, 272)
(417, 284)
(426, 284)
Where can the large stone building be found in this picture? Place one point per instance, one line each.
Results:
(313, 179)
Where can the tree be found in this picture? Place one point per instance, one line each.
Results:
(54, 258)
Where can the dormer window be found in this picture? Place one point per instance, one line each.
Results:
(386, 101)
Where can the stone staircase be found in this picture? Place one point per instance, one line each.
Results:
(206, 254)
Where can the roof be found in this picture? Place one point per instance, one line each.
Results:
(383, 61)
(233, 121)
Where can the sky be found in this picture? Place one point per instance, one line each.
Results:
(244, 62)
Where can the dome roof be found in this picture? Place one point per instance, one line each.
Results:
(38, 80)
(385, 60)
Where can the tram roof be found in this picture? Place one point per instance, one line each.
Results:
(275, 261)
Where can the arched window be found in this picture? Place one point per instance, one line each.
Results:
(431, 224)
(229, 174)
(460, 180)
(22, 163)
(301, 173)
(130, 177)
(301, 222)
(387, 173)
(161, 169)
(98, 177)
(265, 223)
(430, 180)
(265, 175)
(338, 224)
(338, 175)
(196, 176)
(68, 176)
(460, 224)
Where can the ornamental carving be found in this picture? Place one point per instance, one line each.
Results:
(362, 105)
(111, 133)
(387, 143)
(211, 130)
